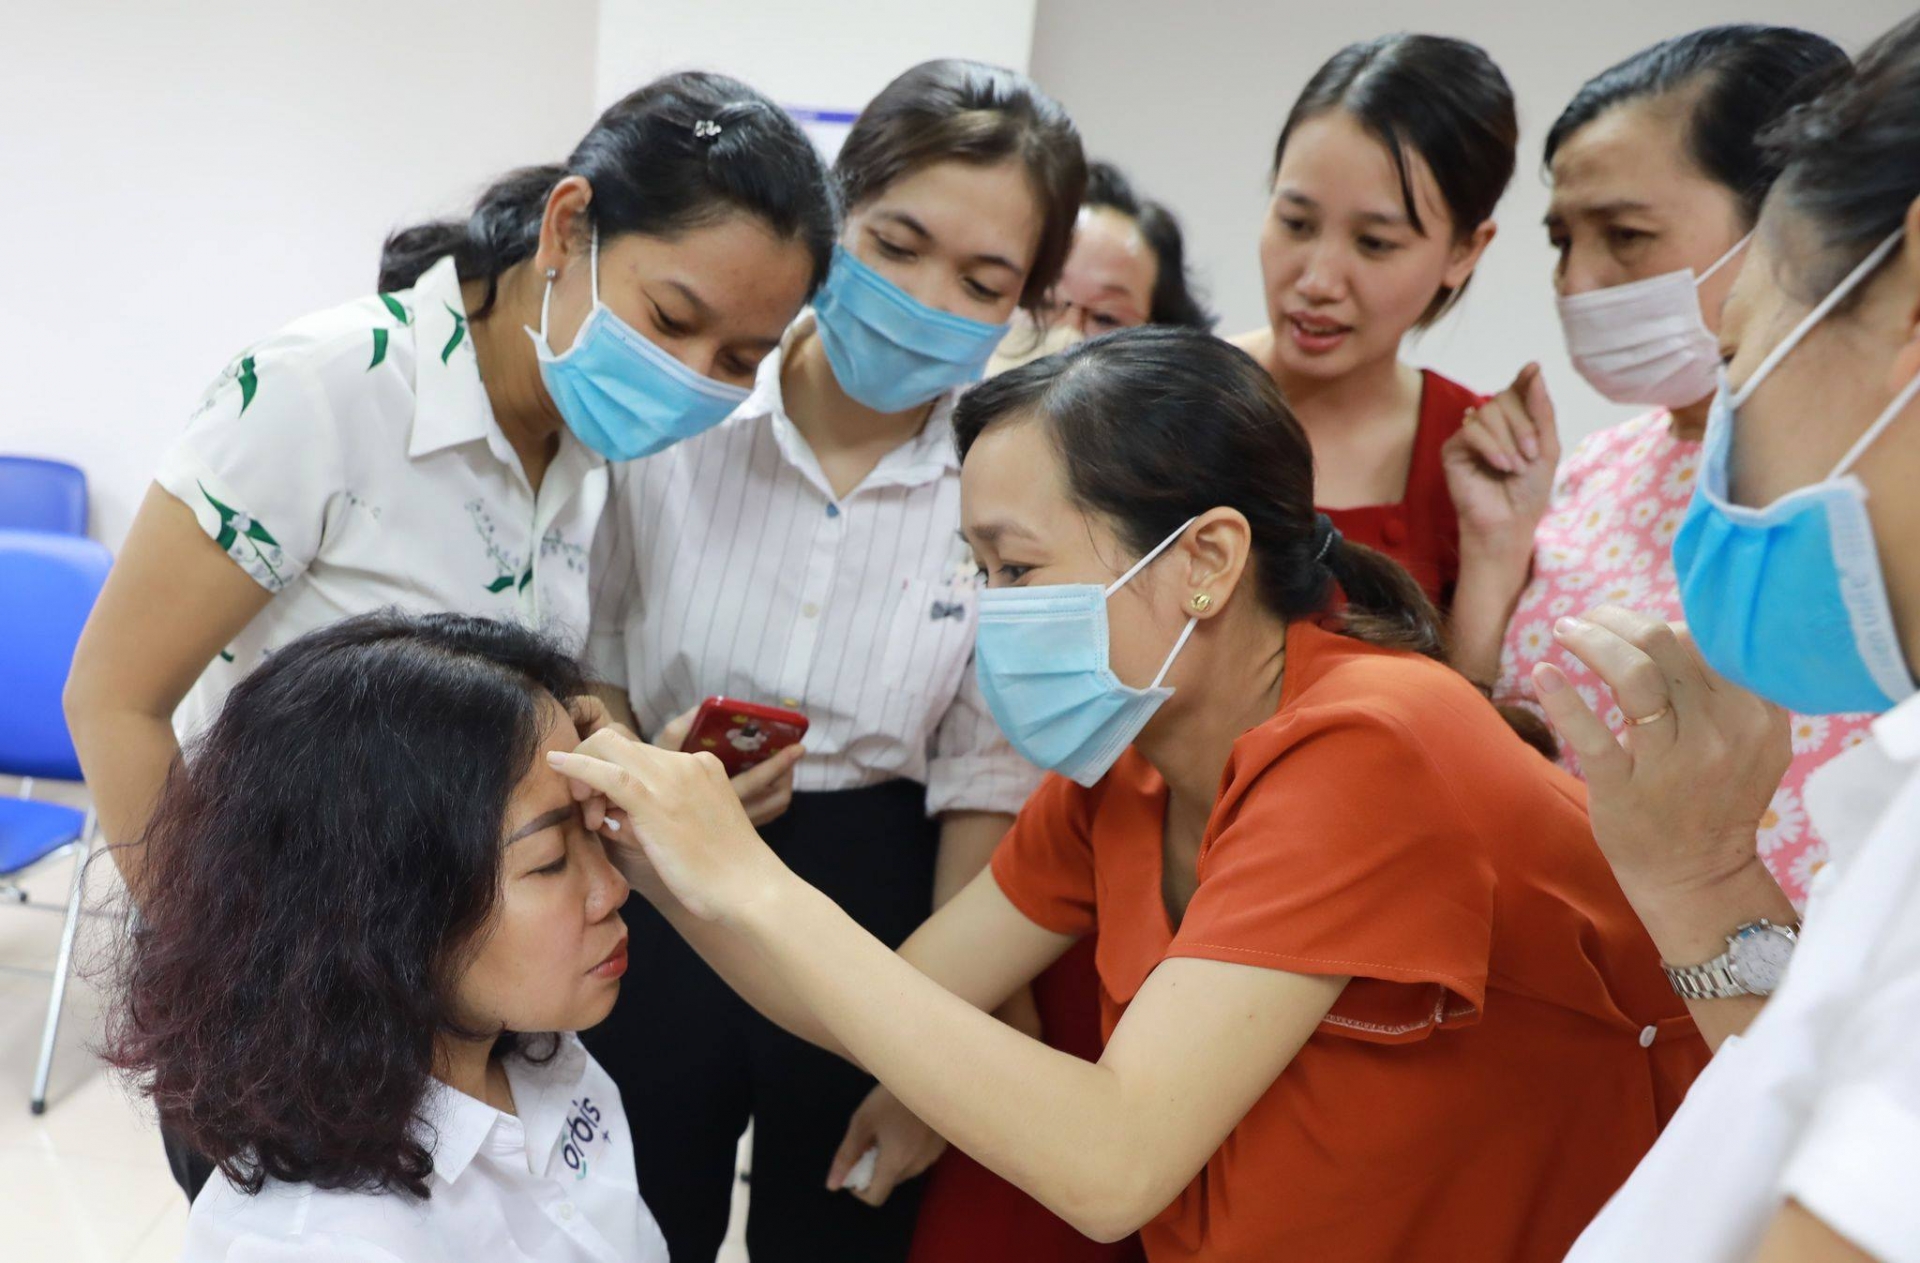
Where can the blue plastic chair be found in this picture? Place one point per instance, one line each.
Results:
(48, 584)
(42, 495)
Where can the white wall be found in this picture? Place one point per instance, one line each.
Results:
(826, 54)
(182, 176)
(1189, 99)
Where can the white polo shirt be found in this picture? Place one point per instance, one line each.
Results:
(555, 1184)
(1820, 1100)
(351, 461)
(752, 580)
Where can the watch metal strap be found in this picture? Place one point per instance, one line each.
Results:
(1711, 981)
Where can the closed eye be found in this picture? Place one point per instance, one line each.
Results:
(668, 325)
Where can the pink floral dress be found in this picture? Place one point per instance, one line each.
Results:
(1607, 538)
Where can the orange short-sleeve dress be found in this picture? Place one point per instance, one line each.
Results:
(1508, 1047)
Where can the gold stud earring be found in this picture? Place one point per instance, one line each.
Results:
(1200, 603)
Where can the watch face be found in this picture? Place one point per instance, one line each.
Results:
(1759, 958)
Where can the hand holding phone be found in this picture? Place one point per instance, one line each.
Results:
(743, 734)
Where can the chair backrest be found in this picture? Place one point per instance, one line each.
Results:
(48, 584)
(42, 495)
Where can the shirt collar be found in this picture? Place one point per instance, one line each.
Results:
(1898, 731)
(456, 1126)
(451, 406)
(450, 402)
(926, 457)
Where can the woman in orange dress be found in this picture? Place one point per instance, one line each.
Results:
(1369, 990)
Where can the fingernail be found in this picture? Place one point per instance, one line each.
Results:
(554, 757)
(1569, 627)
(1545, 682)
(1531, 448)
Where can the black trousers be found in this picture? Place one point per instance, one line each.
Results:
(695, 1063)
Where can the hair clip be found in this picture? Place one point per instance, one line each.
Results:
(706, 129)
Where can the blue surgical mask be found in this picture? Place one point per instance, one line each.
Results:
(620, 394)
(888, 349)
(1041, 655)
(1789, 600)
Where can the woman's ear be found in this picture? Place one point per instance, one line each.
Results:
(1466, 254)
(1216, 548)
(1906, 360)
(562, 228)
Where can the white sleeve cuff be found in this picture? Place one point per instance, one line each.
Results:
(1853, 1171)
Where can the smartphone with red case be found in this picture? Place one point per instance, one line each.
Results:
(742, 734)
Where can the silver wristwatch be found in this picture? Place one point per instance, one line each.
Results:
(1753, 964)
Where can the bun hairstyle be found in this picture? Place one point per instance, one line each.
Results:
(1443, 99)
(966, 111)
(686, 150)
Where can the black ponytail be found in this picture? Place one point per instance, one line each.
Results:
(685, 150)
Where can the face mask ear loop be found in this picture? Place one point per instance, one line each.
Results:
(1147, 560)
(1723, 260)
(1178, 645)
(593, 267)
(1814, 317)
(1907, 395)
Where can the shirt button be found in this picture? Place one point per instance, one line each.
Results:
(1647, 1035)
(810, 610)
(566, 1210)
(1394, 532)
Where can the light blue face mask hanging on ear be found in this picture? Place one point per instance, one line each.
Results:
(1041, 656)
(1789, 601)
(888, 349)
(618, 392)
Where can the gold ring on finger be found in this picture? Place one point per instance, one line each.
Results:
(1656, 717)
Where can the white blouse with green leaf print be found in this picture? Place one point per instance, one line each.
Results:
(351, 462)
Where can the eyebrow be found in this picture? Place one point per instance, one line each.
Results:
(919, 229)
(539, 824)
(1395, 219)
(1599, 210)
(701, 311)
(989, 532)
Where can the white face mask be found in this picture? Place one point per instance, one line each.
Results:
(1645, 342)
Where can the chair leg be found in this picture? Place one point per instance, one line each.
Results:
(62, 966)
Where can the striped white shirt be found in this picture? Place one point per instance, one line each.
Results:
(755, 582)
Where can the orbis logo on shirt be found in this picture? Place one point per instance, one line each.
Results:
(583, 1128)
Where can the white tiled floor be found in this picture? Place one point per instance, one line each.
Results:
(86, 1182)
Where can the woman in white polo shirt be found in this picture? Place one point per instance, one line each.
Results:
(806, 554)
(417, 448)
(399, 1084)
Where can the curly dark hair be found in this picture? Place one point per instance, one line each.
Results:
(322, 863)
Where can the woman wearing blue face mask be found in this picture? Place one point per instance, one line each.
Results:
(1799, 571)
(1368, 990)
(806, 554)
(1657, 179)
(417, 448)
